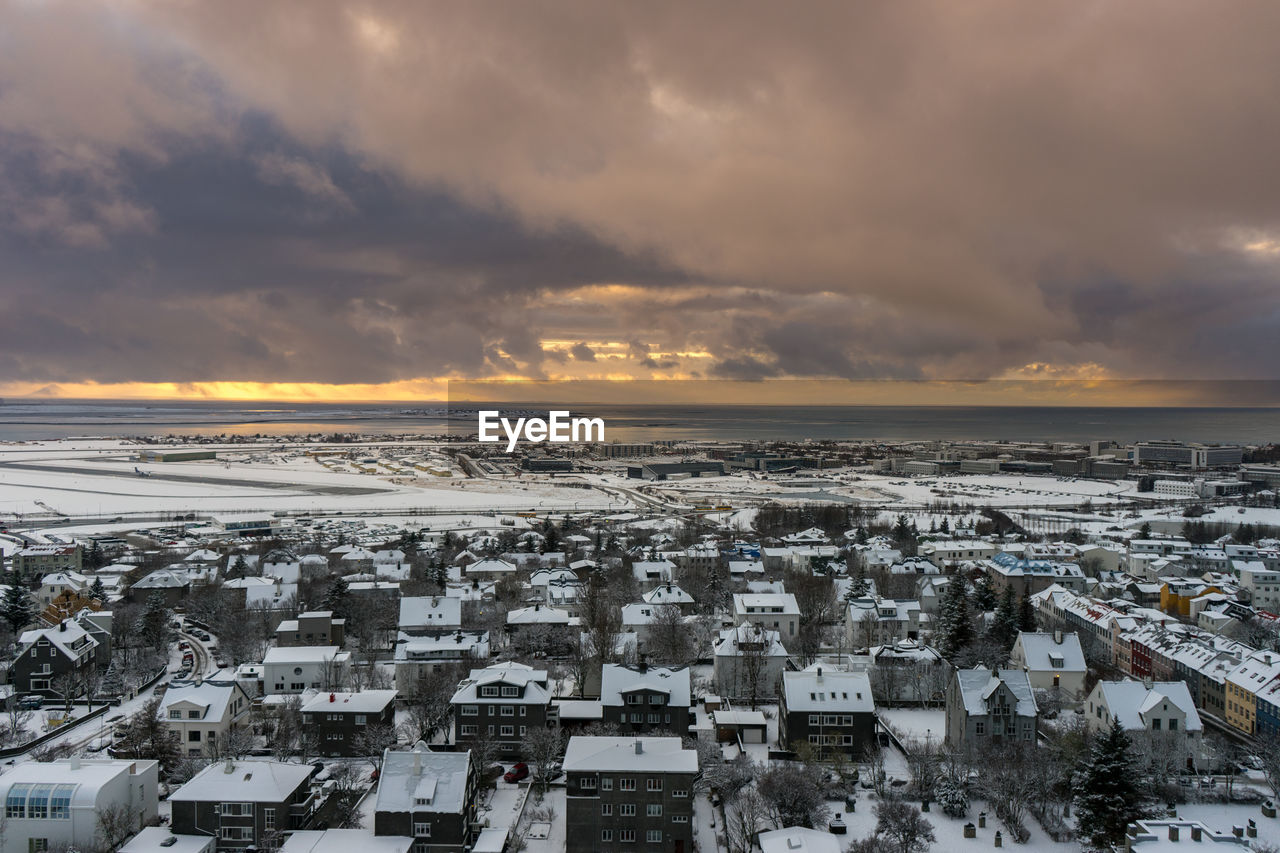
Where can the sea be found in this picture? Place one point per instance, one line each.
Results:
(34, 420)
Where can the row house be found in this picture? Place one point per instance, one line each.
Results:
(646, 699)
(338, 723)
(832, 712)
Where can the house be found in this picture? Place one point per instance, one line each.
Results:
(51, 661)
(427, 796)
(1052, 661)
(336, 722)
(418, 656)
(313, 628)
(624, 793)
(1162, 711)
(669, 593)
(263, 593)
(501, 702)
(202, 713)
(908, 672)
(490, 568)
(55, 805)
(246, 803)
(539, 629)
(1243, 683)
(798, 839)
(1028, 575)
(986, 708)
(35, 560)
(650, 573)
(949, 552)
(776, 611)
(55, 584)
(748, 661)
(172, 587)
(293, 669)
(422, 616)
(829, 710)
(646, 699)
(875, 621)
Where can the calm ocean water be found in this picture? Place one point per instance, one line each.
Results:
(22, 420)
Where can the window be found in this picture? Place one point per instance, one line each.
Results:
(508, 731)
(627, 809)
(522, 710)
(1173, 725)
(626, 784)
(653, 718)
(175, 714)
(606, 809)
(60, 802)
(606, 783)
(587, 783)
(522, 730)
(653, 836)
(488, 691)
(469, 730)
(653, 784)
(269, 819)
(421, 829)
(193, 715)
(980, 728)
(510, 691)
(508, 710)
(237, 809)
(1155, 725)
(653, 810)
(37, 845)
(680, 795)
(361, 720)
(38, 802)
(679, 818)
(470, 710)
(627, 836)
(237, 833)
(606, 835)
(16, 802)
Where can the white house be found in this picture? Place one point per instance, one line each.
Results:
(1052, 661)
(776, 611)
(55, 805)
(201, 713)
(1162, 710)
(293, 669)
(749, 659)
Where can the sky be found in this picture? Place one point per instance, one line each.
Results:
(320, 200)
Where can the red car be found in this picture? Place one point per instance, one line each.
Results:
(518, 771)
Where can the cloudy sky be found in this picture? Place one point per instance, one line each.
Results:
(365, 199)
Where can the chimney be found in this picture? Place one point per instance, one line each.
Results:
(331, 697)
(230, 767)
(62, 626)
(1195, 832)
(74, 763)
(1057, 637)
(417, 763)
(819, 675)
(639, 747)
(1173, 832)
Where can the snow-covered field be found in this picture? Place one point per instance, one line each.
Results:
(97, 478)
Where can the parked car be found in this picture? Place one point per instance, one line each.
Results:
(31, 703)
(518, 772)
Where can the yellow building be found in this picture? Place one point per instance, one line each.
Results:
(1176, 596)
(1243, 684)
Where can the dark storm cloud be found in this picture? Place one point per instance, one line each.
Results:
(363, 192)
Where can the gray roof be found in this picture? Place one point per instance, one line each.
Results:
(419, 780)
(819, 689)
(977, 685)
(616, 679)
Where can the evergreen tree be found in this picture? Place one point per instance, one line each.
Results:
(858, 586)
(1144, 532)
(1004, 627)
(1026, 614)
(945, 526)
(154, 625)
(337, 596)
(239, 568)
(860, 536)
(1108, 793)
(984, 597)
(955, 630)
(18, 608)
(97, 590)
(94, 557)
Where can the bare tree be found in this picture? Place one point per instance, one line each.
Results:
(670, 636)
(287, 738)
(545, 748)
(903, 826)
(117, 822)
(373, 740)
(794, 794)
(745, 816)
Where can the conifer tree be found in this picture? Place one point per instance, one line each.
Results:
(1109, 796)
(1004, 627)
(955, 630)
(18, 609)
